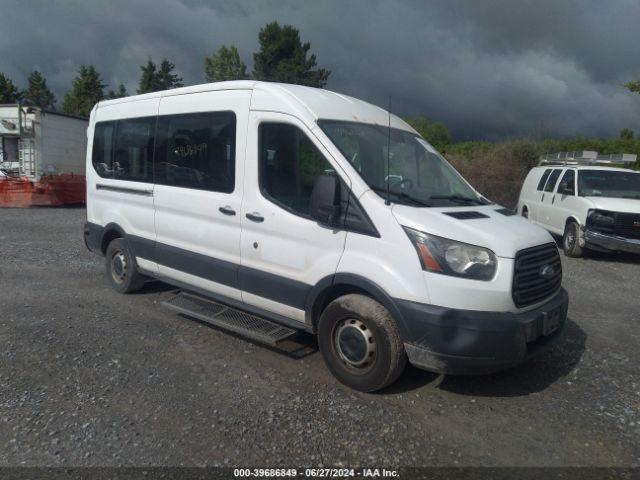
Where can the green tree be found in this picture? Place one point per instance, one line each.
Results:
(120, 93)
(283, 58)
(225, 64)
(633, 86)
(87, 90)
(155, 78)
(38, 93)
(434, 132)
(626, 134)
(147, 81)
(8, 91)
(166, 78)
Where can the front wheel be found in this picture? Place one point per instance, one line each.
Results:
(121, 268)
(571, 240)
(360, 343)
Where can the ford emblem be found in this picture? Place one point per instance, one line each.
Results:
(547, 272)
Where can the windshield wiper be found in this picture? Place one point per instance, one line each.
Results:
(458, 199)
(402, 196)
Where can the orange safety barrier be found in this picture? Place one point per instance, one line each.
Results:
(63, 189)
(50, 190)
(15, 192)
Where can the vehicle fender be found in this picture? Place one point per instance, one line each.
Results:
(349, 283)
(575, 219)
(107, 234)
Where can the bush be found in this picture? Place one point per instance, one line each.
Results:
(498, 170)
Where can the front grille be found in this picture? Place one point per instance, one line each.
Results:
(529, 286)
(627, 225)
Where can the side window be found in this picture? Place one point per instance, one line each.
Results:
(133, 149)
(197, 151)
(102, 151)
(289, 165)
(570, 178)
(553, 178)
(543, 179)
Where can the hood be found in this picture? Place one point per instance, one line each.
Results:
(504, 235)
(624, 205)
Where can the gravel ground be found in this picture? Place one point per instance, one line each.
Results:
(91, 377)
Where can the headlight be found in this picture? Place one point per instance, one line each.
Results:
(601, 218)
(441, 255)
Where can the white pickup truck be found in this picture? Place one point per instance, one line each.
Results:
(590, 205)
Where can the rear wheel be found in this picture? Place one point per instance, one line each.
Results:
(571, 240)
(360, 343)
(525, 212)
(122, 272)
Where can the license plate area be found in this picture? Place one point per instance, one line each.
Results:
(551, 320)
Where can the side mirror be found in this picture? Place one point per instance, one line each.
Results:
(324, 205)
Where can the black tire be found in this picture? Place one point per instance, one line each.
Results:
(343, 325)
(525, 212)
(571, 240)
(122, 272)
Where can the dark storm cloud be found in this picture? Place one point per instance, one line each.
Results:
(486, 68)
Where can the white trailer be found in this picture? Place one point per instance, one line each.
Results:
(36, 142)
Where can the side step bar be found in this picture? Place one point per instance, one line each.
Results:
(229, 318)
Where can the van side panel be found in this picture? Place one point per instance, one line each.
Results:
(285, 254)
(128, 204)
(197, 243)
(529, 196)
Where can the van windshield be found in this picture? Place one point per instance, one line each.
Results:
(612, 183)
(417, 174)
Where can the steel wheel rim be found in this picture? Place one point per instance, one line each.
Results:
(354, 344)
(118, 266)
(569, 240)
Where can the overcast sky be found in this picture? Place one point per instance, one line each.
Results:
(486, 68)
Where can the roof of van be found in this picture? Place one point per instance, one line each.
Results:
(307, 103)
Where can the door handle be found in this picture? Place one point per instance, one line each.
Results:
(255, 217)
(227, 210)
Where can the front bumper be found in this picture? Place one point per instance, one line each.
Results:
(460, 342)
(611, 242)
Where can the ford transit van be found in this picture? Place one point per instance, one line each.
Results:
(277, 208)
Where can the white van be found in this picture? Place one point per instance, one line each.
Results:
(590, 206)
(278, 208)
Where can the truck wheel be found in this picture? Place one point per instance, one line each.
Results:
(571, 240)
(121, 268)
(360, 343)
(525, 212)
